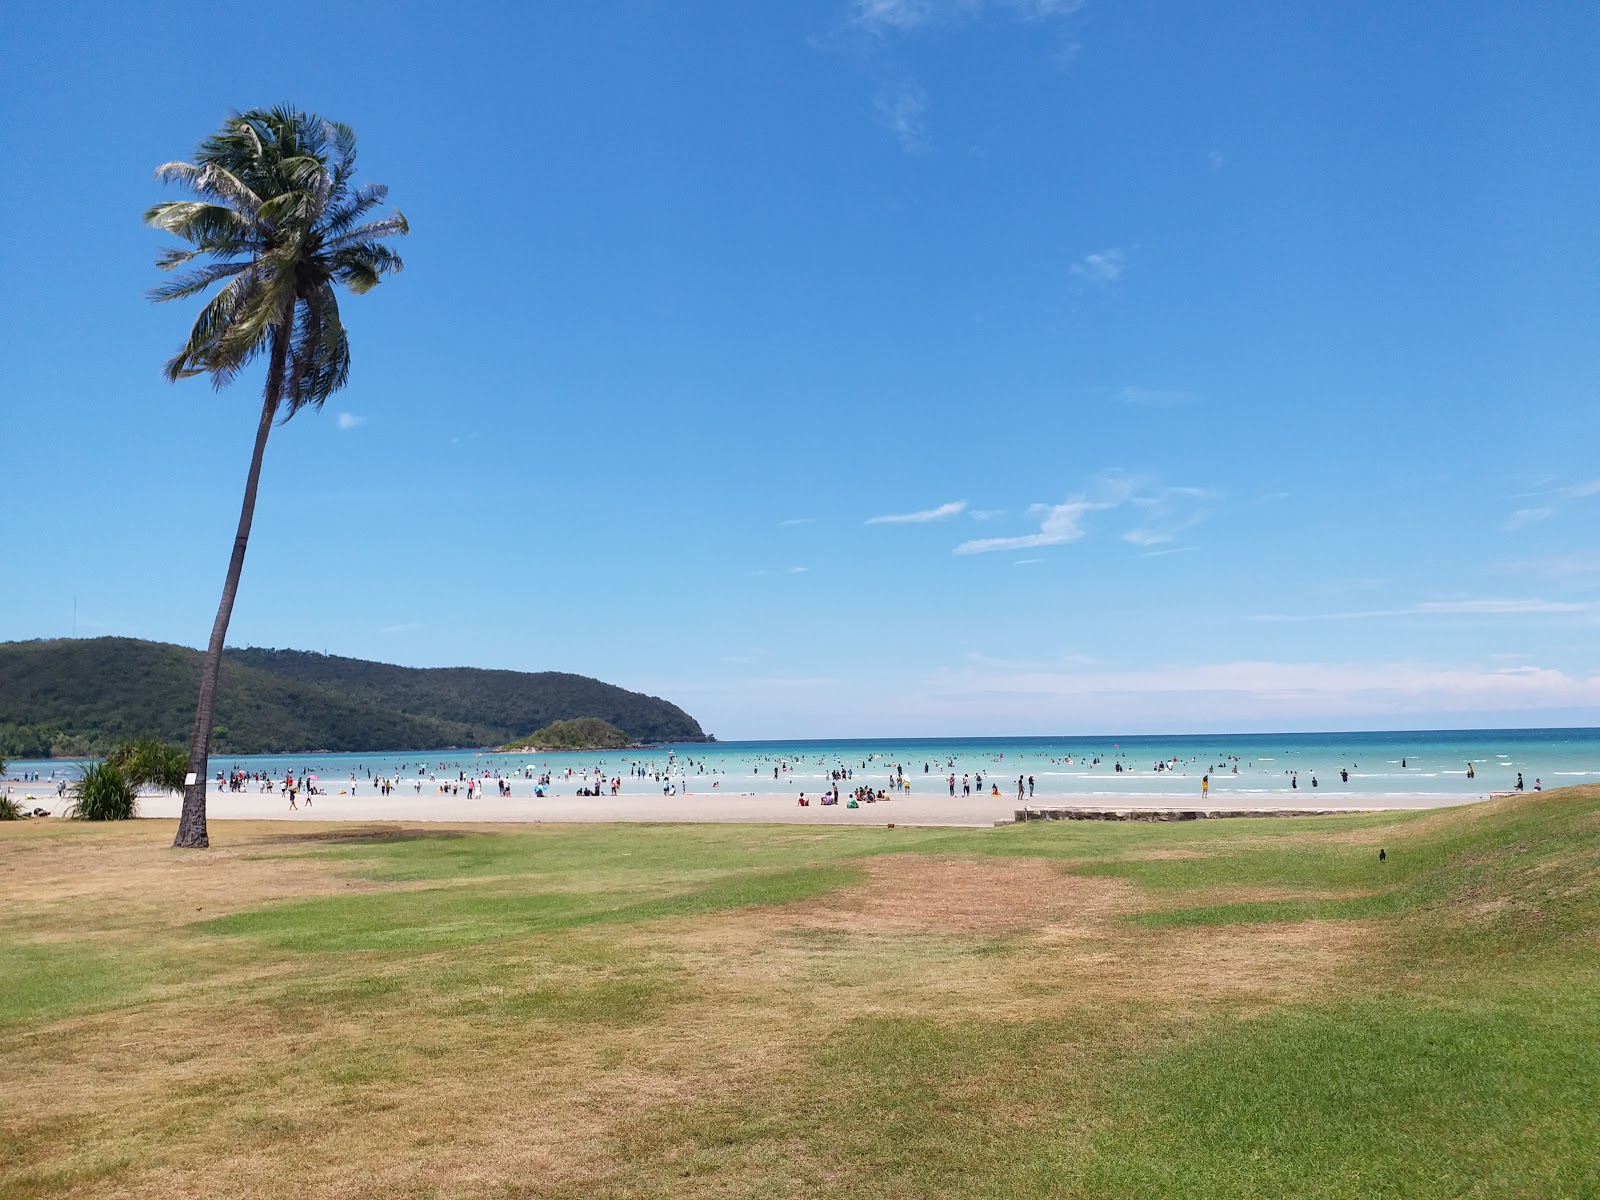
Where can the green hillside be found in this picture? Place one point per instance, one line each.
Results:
(76, 696)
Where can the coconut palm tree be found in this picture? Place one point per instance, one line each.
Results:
(278, 223)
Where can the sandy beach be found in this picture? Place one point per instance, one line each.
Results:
(640, 806)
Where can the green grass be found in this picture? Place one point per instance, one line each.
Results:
(1382, 1097)
(1374, 1098)
(618, 1012)
(607, 852)
(458, 916)
(52, 979)
(1522, 859)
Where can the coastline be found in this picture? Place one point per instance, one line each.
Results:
(641, 807)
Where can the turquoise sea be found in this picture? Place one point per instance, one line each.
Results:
(1379, 764)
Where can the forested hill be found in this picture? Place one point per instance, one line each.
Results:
(81, 696)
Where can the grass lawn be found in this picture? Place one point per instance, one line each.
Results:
(1235, 1008)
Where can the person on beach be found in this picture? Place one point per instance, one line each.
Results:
(1205, 786)
(1519, 781)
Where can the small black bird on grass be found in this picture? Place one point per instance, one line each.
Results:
(1382, 857)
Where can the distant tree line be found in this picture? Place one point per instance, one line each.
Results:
(67, 697)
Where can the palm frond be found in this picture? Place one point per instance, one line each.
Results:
(211, 179)
(395, 226)
(248, 331)
(362, 266)
(294, 212)
(344, 149)
(199, 223)
(169, 257)
(354, 204)
(192, 283)
(202, 353)
(216, 180)
(320, 352)
(302, 351)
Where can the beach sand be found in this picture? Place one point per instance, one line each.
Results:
(642, 805)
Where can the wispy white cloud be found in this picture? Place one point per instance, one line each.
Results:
(1256, 691)
(1215, 159)
(1167, 511)
(1059, 524)
(402, 627)
(1559, 566)
(1164, 552)
(870, 25)
(900, 108)
(954, 508)
(882, 17)
(1027, 562)
(986, 514)
(798, 570)
(1550, 499)
(1103, 267)
(1486, 607)
(1527, 516)
(1146, 537)
(1495, 607)
(351, 421)
(995, 697)
(792, 521)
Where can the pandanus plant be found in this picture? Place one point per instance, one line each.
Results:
(277, 226)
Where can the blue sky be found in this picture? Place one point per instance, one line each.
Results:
(857, 368)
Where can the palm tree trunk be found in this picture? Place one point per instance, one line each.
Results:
(192, 821)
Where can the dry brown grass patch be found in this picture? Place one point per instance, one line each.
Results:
(915, 893)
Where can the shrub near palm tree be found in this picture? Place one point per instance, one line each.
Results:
(8, 807)
(279, 224)
(148, 762)
(103, 793)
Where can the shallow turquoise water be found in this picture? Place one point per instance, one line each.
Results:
(1380, 764)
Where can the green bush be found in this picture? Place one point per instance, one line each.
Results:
(581, 733)
(148, 762)
(8, 807)
(103, 793)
